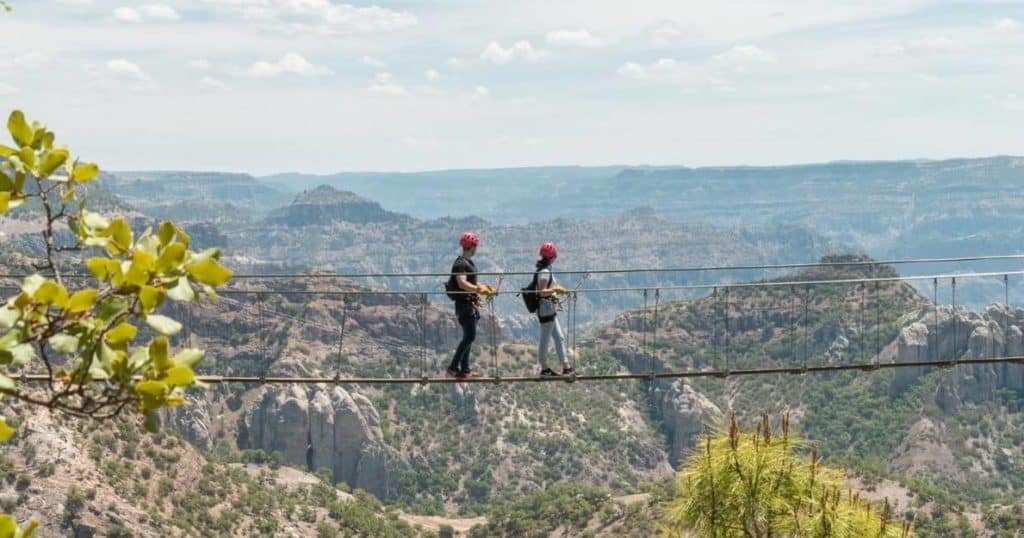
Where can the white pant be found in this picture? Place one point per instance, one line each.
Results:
(547, 330)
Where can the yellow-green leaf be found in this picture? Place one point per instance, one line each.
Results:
(156, 389)
(158, 353)
(151, 297)
(5, 199)
(82, 300)
(6, 432)
(84, 172)
(9, 316)
(6, 152)
(189, 357)
(124, 332)
(32, 283)
(6, 383)
(120, 236)
(182, 291)
(209, 272)
(22, 353)
(166, 232)
(163, 324)
(52, 160)
(171, 257)
(98, 267)
(95, 220)
(179, 376)
(28, 156)
(29, 529)
(64, 343)
(21, 131)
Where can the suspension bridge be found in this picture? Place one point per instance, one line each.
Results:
(719, 292)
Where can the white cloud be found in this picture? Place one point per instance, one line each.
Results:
(1005, 24)
(122, 68)
(663, 68)
(211, 82)
(573, 38)
(325, 17)
(666, 33)
(432, 74)
(384, 84)
(519, 51)
(456, 62)
(127, 14)
(372, 62)
(741, 56)
(289, 64)
(153, 12)
(28, 60)
(200, 64)
(480, 92)
(7, 89)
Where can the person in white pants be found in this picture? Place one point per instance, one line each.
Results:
(547, 314)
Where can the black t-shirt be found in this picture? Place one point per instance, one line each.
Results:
(465, 265)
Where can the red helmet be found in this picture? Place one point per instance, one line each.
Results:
(469, 240)
(548, 251)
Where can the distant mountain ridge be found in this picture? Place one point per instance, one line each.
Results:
(324, 205)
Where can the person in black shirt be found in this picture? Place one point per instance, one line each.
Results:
(467, 304)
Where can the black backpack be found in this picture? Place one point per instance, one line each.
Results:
(451, 288)
(530, 296)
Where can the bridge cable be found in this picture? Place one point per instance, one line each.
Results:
(935, 307)
(654, 338)
(261, 342)
(1006, 319)
(956, 324)
(860, 323)
(728, 360)
(679, 374)
(715, 307)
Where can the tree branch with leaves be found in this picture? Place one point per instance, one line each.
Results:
(85, 338)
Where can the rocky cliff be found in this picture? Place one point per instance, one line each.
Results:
(323, 427)
(952, 334)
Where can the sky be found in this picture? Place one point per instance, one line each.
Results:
(323, 86)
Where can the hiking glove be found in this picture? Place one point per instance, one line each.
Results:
(485, 290)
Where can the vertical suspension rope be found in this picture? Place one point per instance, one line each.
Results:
(794, 338)
(341, 336)
(728, 364)
(260, 341)
(714, 329)
(643, 328)
(807, 324)
(574, 312)
(494, 338)
(956, 325)
(935, 305)
(1006, 319)
(879, 341)
(860, 329)
(423, 337)
(654, 337)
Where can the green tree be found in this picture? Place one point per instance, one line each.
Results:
(756, 485)
(77, 345)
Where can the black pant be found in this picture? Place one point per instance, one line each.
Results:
(468, 315)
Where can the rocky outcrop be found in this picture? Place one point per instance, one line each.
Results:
(191, 421)
(685, 413)
(324, 427)
(945, 334)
